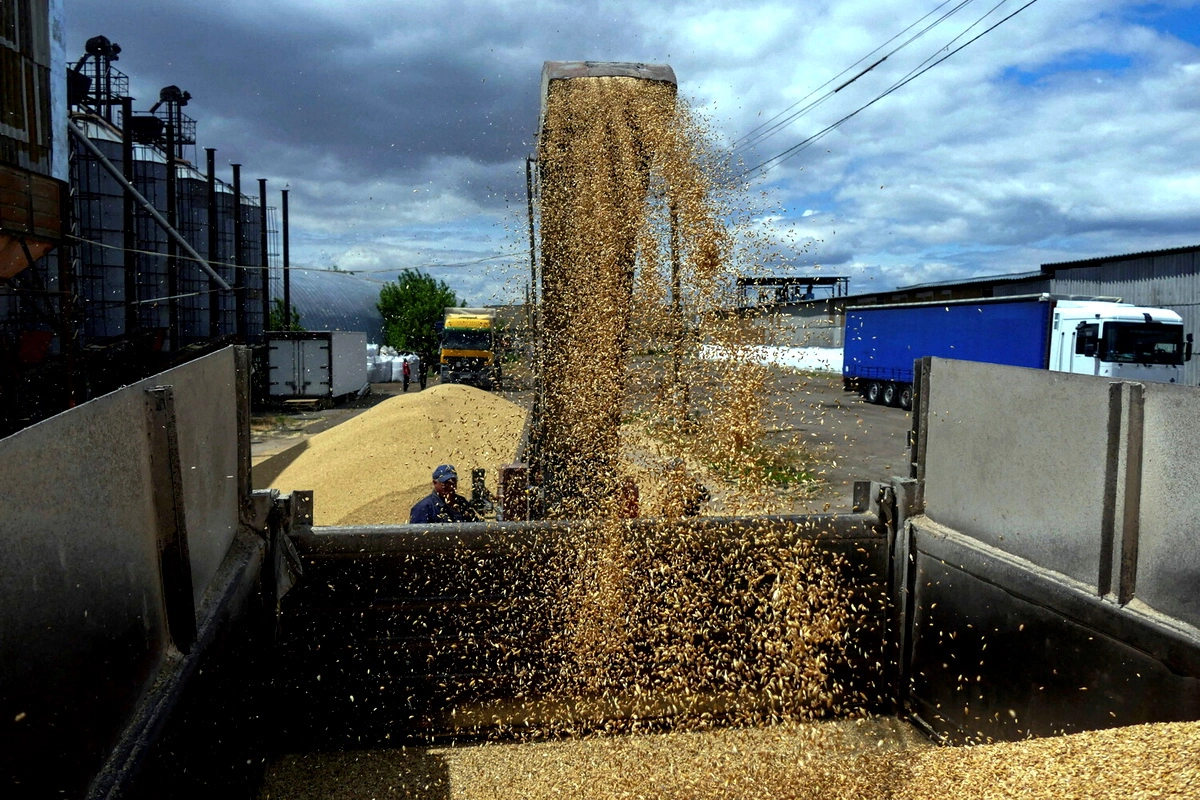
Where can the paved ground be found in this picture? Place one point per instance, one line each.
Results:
(850, 439)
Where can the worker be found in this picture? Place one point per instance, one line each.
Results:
(407, 368)
(444, 503)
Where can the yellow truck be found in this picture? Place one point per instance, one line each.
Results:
(469, 348)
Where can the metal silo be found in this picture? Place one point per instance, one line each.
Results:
(223, 261)
(153, 283)
(99, 208)
(253, 275)
(192, 221)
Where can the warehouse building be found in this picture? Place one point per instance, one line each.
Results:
(329, 300)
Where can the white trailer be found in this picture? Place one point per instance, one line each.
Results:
(316, 365)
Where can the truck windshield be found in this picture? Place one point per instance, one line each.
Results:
(466, 339)
(1142, 343)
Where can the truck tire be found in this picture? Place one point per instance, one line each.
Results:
(874, 392)
(891, 395)
(906, 396)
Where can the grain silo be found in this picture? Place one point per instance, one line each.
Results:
(100, 225)
(153, 285)
(223, 260)
(195, 304)
(253, 273)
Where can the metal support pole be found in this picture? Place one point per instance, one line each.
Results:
(263, 256)
(214, 307)
(172, 251)
(287, 278)
(129, 240)
(239, 273)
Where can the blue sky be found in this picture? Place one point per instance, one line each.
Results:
(401, 129)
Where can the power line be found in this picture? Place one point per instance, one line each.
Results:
(808, 142)
(248, 267)
(754, 137)
(160, 254)
(443, 264)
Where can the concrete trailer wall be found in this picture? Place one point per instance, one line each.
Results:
(97, 502)
(1051, 552)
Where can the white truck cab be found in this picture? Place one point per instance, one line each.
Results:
(1118, 340)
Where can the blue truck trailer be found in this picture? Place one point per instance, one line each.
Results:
(1087, 336)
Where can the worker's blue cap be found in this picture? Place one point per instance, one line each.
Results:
(445, 473)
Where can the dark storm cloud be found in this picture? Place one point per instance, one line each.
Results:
(402, 127)
(381, 89)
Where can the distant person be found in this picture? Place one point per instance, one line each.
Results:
(407, 370)
(689, 493)
(422, 370)
(444, 503)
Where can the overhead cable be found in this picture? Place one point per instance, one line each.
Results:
(808, 142)
(771, 127)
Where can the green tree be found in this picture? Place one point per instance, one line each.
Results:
(413, 309)
(275, 323)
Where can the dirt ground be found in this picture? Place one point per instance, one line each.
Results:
(849, 440)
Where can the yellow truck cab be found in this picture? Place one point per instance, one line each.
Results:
(469, 348)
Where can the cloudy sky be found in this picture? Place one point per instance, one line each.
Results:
(401, 129)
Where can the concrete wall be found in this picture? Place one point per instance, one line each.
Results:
(1072, 473)
(83, 603)
(1051, 558)
(819, 323)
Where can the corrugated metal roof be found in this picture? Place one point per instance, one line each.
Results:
(1002, 278)
(1087, 262)
(335, 301)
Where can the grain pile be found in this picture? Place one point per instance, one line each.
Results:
(870, 759)
(371, 469)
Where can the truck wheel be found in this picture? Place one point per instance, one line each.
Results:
(891, 394)
(873, 392)
(906, 396)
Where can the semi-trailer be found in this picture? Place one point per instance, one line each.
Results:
(1044, 331)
